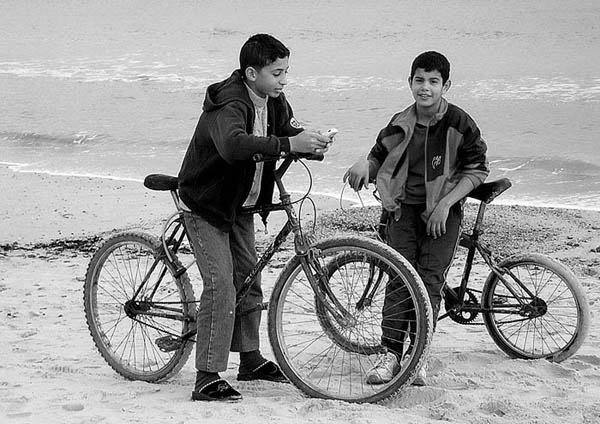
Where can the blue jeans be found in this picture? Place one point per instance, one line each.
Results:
(224, 260)
(430, 257)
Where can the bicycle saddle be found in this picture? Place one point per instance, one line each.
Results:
(487, 192)
(160, 182)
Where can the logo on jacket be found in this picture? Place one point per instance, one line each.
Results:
(436, 161)
(295, 124)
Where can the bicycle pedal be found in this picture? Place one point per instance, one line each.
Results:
(168, 343)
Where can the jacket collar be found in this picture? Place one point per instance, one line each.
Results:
(408, 117)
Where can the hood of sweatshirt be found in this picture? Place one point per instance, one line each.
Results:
(223, 92)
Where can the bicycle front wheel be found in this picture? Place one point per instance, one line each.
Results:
(328, 313)
(540, 311)
(136, 308)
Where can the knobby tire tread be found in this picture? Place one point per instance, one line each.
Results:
(182, 283)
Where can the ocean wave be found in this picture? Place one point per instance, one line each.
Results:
(515, 167)
(80, 137)
(127, 69)
(547, 165)
(197, 75)
(563, 89)
(330, 83)
(24, 168)
(14, 166)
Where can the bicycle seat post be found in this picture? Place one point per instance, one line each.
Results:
(175, 197)
(477, 226)
(486, 193)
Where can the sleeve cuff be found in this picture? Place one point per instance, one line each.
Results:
(284, 144)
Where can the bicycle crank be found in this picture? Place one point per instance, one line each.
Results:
(465, 312)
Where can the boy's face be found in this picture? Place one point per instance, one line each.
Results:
(270, 80)
(428, 88)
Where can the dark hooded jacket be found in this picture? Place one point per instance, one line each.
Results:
(217, 171)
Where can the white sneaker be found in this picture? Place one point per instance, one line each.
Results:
(384, 370)
(421, 376)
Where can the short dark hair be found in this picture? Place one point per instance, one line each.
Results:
(431, 61)
(261, 50)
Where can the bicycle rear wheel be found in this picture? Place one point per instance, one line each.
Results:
(544, 315)
(326, 347)
(137, 310)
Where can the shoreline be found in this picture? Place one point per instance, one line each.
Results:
(70, 212)
(117, 193)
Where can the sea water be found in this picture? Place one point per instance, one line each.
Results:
(113, 89)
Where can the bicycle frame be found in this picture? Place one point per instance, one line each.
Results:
(174, 232)
(474, 245)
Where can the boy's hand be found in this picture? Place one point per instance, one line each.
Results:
(358, 175)
(436, 224)
(309, 142)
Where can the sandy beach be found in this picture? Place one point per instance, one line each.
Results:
(52, 373)
(113, 90)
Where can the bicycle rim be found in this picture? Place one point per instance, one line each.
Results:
(328, 357)
(347, 273)
(547, 316)
(139, 338)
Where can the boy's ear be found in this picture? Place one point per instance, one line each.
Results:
(250, 73)
(446, 87)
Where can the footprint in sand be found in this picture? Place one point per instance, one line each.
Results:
(434, 365)
(559, 370)
(64, 369)
(498, 407)
(586, 359)
(18, 414)
(73, 407)
(418, 396)
(28, 333)
(16, 407)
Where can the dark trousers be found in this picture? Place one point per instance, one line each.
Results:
(430, 257)
(224, 261)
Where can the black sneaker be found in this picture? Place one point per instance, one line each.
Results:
(268, 371)
(218, 390)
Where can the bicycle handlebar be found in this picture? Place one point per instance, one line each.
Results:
(259, 157)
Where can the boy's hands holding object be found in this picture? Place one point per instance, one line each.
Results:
(312, 142)
(330, 133)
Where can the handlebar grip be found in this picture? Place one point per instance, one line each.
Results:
(313, 156)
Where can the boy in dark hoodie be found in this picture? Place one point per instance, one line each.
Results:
(424, 162)
(243, 115)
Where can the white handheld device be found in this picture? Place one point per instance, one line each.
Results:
(331, 133)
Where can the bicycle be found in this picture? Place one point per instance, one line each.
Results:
(533, 306)
(324, 312)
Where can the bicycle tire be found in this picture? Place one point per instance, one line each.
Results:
(328, 362)
(552, 324)
(341, 336)
(131, 342)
